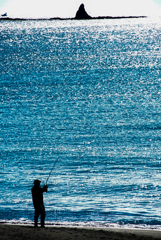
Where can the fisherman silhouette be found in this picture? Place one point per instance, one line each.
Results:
(37, 198)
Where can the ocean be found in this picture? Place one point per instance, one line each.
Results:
(80, 103)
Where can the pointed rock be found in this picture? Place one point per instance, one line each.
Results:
(82, 14)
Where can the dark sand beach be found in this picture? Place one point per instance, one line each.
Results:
(8, 232)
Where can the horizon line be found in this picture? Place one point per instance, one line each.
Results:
(59, 18)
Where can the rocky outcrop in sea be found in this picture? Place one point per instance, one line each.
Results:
(82, 14)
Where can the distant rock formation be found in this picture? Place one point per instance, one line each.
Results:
(4, 15)
(82, 14)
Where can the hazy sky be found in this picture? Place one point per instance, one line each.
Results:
(68, 8)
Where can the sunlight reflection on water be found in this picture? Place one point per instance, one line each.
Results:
(87, 93)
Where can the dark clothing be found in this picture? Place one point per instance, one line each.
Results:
(37, 198)
(39, 210)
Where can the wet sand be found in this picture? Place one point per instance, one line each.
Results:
(8, 232)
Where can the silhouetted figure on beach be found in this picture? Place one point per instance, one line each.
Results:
(37, 198)
(81, 13)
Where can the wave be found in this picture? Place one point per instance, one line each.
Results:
(154, 225)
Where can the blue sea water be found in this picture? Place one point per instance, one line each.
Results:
(86, 94)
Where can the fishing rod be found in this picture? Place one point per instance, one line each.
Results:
(51, 170)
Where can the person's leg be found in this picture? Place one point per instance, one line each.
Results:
(42, 215)
(36, 216)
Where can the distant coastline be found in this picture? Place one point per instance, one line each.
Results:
(81, 14)
(57, 18)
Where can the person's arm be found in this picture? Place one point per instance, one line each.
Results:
(45, 187)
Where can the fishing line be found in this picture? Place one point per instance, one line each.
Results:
(51, 170)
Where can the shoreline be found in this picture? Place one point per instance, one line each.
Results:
(9, 231)
(65, 19)
(87, 225)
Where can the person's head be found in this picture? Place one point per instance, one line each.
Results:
(37, 182)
